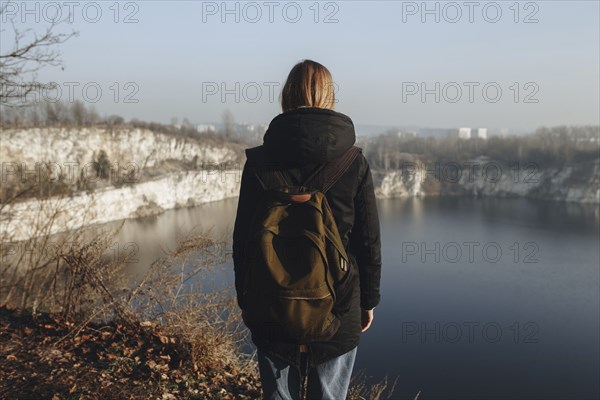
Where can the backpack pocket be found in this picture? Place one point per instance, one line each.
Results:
(300, 316)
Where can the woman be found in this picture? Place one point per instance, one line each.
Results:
(307, 134)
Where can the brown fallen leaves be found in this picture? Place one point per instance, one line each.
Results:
(44, 357)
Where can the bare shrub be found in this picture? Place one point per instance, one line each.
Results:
(360, 390)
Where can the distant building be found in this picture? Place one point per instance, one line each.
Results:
(406, 134)
(464, 133)
(468, 133)
(481, 133)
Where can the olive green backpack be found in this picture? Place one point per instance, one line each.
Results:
(295, 263)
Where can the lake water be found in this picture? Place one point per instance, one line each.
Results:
(481, 298)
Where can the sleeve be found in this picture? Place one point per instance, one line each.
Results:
(365, 241)
(250, 190)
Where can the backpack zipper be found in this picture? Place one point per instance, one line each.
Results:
(305, 298)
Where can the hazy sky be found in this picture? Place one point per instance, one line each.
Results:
(179, 55)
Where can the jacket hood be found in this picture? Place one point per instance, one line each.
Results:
(308, 135)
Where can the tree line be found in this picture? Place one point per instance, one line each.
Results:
(545, 147)
(78, 114)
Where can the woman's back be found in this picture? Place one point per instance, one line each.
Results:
(291, 146)
(306, 135)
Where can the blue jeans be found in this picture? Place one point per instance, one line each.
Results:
(327, 381)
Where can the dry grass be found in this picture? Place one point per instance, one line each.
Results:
(165, 340)
(68, 299)
(360, 390)
(64, 292)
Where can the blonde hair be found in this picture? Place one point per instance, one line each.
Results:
(309, 84)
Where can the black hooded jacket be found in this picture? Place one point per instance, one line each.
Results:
(299, 141)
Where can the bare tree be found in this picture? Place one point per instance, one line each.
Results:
(228, 124)
(186, 123)
(79, 113)
(29, 53)
(114, 120)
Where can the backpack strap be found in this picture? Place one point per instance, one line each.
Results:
(269, 178)
(324, 177)
(327, 174)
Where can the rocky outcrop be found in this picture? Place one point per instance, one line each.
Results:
(574, 183)
(168, 172)
(29, 218)
(169, 186)
(124, 146)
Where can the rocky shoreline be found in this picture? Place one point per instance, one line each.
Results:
(575, 183)
(173, 172)
(191, 188)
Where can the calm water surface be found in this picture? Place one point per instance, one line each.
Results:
(481, 298)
